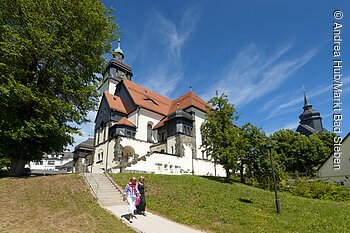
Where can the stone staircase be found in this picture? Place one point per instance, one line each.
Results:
(104, 190)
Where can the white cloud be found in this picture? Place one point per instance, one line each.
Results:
(252, 74)
(282, 108)
(172, 36)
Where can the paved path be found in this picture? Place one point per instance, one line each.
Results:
(151, 223)
(110, 198)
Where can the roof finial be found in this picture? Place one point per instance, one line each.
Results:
(306, 103)
(190, 87)
(119, 42)
(118, 50)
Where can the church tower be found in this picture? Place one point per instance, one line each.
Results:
(310, 120)
(116, 71)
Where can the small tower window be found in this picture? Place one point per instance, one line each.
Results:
(151, 101)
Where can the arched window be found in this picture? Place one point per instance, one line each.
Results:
(128, 153)
(149, 132)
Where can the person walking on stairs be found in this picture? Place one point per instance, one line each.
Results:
(130, 194)
(140, 208)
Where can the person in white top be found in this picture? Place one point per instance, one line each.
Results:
(130, 194)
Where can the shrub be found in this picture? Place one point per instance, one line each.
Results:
(319, 190)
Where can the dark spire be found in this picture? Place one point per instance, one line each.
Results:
(306, 103)
(310, 119)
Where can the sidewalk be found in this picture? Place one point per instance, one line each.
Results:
(151, 223)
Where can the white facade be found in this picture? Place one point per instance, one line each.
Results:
(144, 118)
(139, 130)
(141, 155)
(51, 162)
(337, 167)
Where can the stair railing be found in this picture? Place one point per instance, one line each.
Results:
(94, 186)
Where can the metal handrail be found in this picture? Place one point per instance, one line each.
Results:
(88, 180)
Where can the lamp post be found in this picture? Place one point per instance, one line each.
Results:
(269, 146)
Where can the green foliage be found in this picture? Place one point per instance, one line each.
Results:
(300, 153)
(4, 162)
(220, 137)
(50, 52)
(319, 190)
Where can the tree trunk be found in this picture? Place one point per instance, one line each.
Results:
(215, 169)
(17, 167)
(242, 173)
(228, 174)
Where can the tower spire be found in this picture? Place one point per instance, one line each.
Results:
(118, 52)
(306, 103)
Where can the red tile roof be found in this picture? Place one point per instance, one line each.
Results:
(125, 121)
(115, 102)
(188, 100)
(155, 102)
(148, 99)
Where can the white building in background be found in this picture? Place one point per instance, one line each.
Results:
(138, 130)
(53, 164)
(336, 168)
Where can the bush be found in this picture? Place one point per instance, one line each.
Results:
(319, 190)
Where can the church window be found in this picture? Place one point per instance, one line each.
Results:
(172, 149)
(149, 132)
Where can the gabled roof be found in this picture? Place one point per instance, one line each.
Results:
(115, 102)
(161, 123)
(188, 100)
(342, 142)
(125, 121)
(87, 144)
(153, 101)
(148, 99)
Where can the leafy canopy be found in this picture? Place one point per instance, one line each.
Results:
(50, 51)
(219, 135)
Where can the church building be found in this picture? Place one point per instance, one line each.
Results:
(310, 120)
(139, 130)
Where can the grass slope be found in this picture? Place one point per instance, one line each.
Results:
(60, 203)
(214, 206)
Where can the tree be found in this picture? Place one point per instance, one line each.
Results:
(219, 135)
(254, 147)
(255, 157)
(300, 153)
(50, 51)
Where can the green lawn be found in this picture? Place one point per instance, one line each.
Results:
(61, 203)
(214, 206)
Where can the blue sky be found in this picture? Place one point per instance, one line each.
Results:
(260, 53)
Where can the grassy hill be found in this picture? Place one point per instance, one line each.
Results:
(214, 206)
(60, 203)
